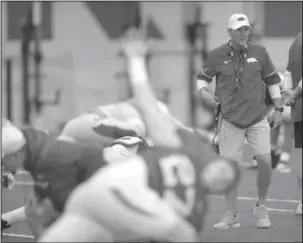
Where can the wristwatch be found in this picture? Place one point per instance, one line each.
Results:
(281, 109)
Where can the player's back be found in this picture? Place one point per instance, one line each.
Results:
(175, 175)
(121, 110)
(58, 166)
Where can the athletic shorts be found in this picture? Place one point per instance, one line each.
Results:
(231, 139)
(298, 130)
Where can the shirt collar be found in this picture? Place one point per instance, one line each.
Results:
(231, 47)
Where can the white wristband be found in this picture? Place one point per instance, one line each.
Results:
(202, 84)
(300, 84)
(287, 80)
(274, 91)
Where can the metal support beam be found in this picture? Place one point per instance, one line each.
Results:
(9, 100)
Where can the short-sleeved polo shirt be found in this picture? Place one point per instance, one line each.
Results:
(294, 66)
(242, 103)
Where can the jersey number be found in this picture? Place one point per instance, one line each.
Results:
(179, 183)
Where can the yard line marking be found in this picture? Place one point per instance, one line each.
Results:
(18, 236)
(281, 210)
(22, 172)
(24, 183)
(255, 199)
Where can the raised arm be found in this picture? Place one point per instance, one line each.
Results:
(160, 128)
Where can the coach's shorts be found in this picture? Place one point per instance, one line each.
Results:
(231, 139)
(298, 130)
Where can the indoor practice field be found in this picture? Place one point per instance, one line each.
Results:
(283, 199)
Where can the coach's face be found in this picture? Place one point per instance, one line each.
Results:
(239, 37)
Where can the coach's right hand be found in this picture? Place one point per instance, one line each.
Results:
(209, 100)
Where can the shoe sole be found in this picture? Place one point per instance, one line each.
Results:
(284, 171)
(263, 226)
(237, 225)
(260, 226)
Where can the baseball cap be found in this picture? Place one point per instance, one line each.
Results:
(237, 20)
(12, 138)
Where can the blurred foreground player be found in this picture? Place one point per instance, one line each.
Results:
(57, 166)
(159, 196)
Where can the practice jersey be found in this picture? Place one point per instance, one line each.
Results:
(58, 166)
(121, 111)
(126, 112)
(175, 173)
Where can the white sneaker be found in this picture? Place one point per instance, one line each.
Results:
(299, 209)
(283, 168)
(228, 221)
(261, 214)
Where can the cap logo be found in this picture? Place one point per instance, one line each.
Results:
(241, 19)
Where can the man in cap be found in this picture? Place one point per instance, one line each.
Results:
(242, 70)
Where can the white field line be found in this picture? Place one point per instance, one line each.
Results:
(17, 235)
(281, 210)
(255, 199)
(24, 183)
(29, 183)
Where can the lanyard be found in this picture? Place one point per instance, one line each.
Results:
(238, 70)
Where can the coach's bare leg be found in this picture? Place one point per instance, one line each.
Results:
(297, 168)
(299, 207)
(230, 140)
(287, 144)
(258, 137)
(231, 201)
(263, 176)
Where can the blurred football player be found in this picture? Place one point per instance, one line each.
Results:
(57, 166)
(159, 196)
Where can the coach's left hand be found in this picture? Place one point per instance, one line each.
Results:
(289, 99)
(275, 119)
